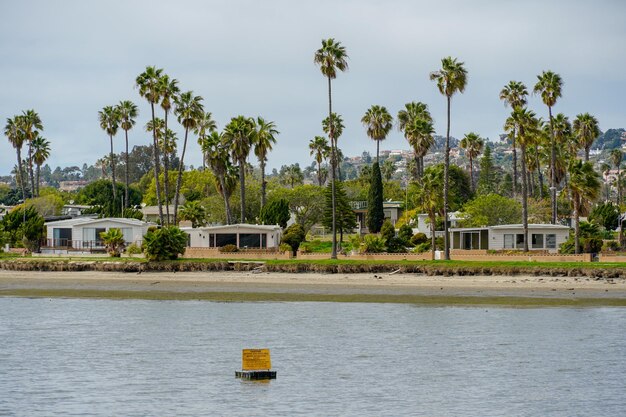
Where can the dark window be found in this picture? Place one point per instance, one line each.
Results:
(223, 239)
(519, 241)
(551, 241)
(537, 241)
(62, 236)
(251, 240)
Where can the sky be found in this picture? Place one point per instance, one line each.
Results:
(69, 59)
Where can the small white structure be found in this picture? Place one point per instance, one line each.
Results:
(423, 223)
(83, 234)
(242, 235)
(544, 237)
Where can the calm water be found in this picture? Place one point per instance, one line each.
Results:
(65, 357)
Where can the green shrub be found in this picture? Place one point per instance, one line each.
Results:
(373, 244)
(133, 249)
(293, 236)
(610, 246)
(422, 247)
(396, 245)
(113, 241)
(419, 238)
(284, 247)
(405, 233)
(387, 231)
(228, 248)
(165, 243)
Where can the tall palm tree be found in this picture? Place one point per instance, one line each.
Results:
(584, 187)
(168, 141)
(204, 127)
(473, 145)
(168, 93)
(41, 148)
(148, 84)
(378, 122)
(31, 125)
(266, 133)
(338, 126)
(549, 85)
(451, 78)
(218, 159)
(417, 115)
(240, 133)
(429, 198)
(616, 158)
(319, 150)
(586, 130)
(189, 110)
(525, 124)
(15, 135)
(128, 112)
(332, 57)
(109, 122)
(514, 94)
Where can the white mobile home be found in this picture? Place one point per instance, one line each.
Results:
(83, 234)
(544, 237)
(242, 235)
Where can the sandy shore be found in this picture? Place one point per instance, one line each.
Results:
(308, 286)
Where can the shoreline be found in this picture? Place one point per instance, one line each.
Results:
(520, 290)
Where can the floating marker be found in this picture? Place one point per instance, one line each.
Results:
(256, 364)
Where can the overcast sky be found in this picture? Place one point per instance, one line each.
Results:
(68, 59)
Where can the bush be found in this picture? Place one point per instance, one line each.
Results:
(113, 241)
(285, 247)
(419, 238)
(228, 248)
(585, 245)
(293, 236)
(373, 244)
(276, 212)
(387, 231)
(396, 245)
(422, 247)
(405, 233)
(610, 246)
(165, 243)
(133, 249)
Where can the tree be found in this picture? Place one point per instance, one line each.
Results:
(549, 85)
(616, 158)
(331, 57)
(265, 137)
(345, 218)
(417, 124)
(451, 78)
(460, 191)
(486, 177)
(378, 123)
(217, 154)
(586, 130)
(473, 144)
(205, 126)
(584, 187)
(293, 236)
(165, 244)
(189, 110)
(375, 213)
(605, 214)
(15, 135)
(114, 242)
(128, 112)
(23, 227)
(429, 198)
(291, 175)
(100, 194)
(491, 210)
(109, 122)
(31, 126)
(320, 151)
(387, 170)
(148, 84)
(275, 212)
(194, 212)
(240, 133)
(515, 95)
(41, 148)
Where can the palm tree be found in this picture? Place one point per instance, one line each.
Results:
(320, 150)
(525, 124)
(218, 159)
(616, 158)
(195, 212)
(265, 137)
(168, 141)
(451, 78)
(586, 130)
(332, 57)
(205, 126)
(148, 84)
(378, 122)
(549, 85)
(15, 135)
(473, 145)
(429, 197)
(584, 187)
(109, 122)
(514, 94)
(189, 110)
(337, 123)
(240, 133)
(420, 137)
(41, 152)
(128, 112)
(30, 124)
(168, 93)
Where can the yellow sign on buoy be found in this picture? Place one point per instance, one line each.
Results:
(255, 359)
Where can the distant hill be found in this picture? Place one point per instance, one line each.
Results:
(440, 143)
(610, 139)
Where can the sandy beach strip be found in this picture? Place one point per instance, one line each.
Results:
(368, 287)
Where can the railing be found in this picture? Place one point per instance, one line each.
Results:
(77, 245)
(358, 205)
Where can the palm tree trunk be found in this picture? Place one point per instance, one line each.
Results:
(514, 167)
(416, 170)
(157, 166)
(21, 173)
(263, 184)
(166, 174)
(587, 148)
(319, 173)
(552, 167)
(432, 235)
(226, 199)
(179, 179)
(377, 150)
(576, 227)
(471, 174)
(446, 185)
(126, 202)
(619, 188)
(524, 197)
(112, 157)
(531, 183)
(539, 174)
(30, 169)
(242, 189)
(331, 134)
(38, 170)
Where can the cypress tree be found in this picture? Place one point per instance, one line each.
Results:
(486, 179)
(375, 213)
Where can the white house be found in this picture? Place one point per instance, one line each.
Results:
(241, 235)
(84, 233)
(545, 237)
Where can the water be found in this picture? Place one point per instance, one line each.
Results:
(65, 357)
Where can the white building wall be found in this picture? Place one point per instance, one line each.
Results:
(496, 237)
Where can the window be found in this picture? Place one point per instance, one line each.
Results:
(551, 241)
(519, 241)
(537, 241)
(223, 239)
(508, 242)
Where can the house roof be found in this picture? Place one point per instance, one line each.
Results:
(84, 221)
(531, 226)
(234, 227)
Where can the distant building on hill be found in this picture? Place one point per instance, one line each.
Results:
(72, 185)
